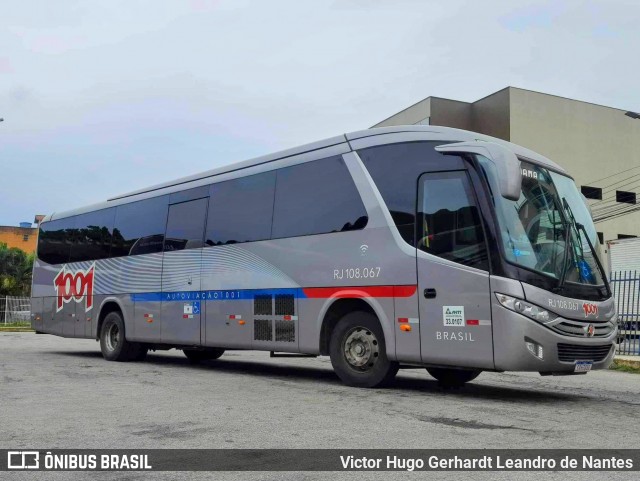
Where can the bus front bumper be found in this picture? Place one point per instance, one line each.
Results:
(521, 344)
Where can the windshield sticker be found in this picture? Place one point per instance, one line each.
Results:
(453, 316)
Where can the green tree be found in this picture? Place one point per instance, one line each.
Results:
(15, 271)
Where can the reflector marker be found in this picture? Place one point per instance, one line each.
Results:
(408, 320)
(289, 318)
(478, 322)
(405, 327)
(235, 316)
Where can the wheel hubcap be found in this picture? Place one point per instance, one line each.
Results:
(361, 348)
(113, 337)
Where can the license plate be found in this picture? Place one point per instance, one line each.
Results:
(583, 366)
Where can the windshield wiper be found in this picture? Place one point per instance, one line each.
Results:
(578, 227)
(565, 258)
(581, 227)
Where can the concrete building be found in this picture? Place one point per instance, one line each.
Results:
(599, 146)
(24, 237)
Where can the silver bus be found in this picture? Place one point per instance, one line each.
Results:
(385, 248)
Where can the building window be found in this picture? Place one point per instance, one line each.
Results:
(625, 197)
(626, 236)
(600, 237)
(25, 237)
(591, 192)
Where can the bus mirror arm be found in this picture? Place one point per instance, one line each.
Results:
(506, 162)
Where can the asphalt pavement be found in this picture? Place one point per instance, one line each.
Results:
(60, 393)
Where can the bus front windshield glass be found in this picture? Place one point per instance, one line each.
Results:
(536, 228)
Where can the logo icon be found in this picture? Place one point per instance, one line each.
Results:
(77, 286)
(590, 330)
(363, 248)
(589, 309)
(23, 459)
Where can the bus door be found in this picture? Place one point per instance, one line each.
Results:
(453, 273)
(181, 289)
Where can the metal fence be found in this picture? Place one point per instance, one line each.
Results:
(15, 310)
(626, 292)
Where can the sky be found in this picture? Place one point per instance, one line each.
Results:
(101, 98)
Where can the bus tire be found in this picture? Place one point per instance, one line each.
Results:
(197, 355)
(453, 377)
(358, 351)
(113, 343)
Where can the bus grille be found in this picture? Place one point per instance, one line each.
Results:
(574, 352)
(285, 305)
(569, 327)
(262, 305)
(285, 331)
(262, 330)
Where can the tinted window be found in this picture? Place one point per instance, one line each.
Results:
(395, 169)
(185, 225)
(626, 197)
(315, 198)
(54, 241)
(449, 221)
(139, 227)
(591, 192)
(241, 210)
(92, 235)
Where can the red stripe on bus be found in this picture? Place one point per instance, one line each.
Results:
(473, 322)
(355, 292)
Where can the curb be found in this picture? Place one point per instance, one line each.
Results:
(627, 361)
(16, 329)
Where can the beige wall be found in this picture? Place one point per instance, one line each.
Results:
(590, 141)
(409, 116)
(490, 115)
(450, 113)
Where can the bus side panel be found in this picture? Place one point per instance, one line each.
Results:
(48, 312)
(312, 313)
(145, 321)
(407, 341)
(36, 314)
(228, 323)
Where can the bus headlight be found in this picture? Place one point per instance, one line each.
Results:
(525, 308)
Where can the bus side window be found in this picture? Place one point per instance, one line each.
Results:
(185, 225)
(317, 197)
(241, 210)
(450, 222)
(54, 240)
(139, 227)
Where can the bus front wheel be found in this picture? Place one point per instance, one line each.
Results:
(358, 352)
(453, 377)
(114, 345)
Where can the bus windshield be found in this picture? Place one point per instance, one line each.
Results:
(549, 228)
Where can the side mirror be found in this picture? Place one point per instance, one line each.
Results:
(506, 162)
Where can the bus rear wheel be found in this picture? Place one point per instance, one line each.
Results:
(453, 377)
(358, 352)
(114, 345)
(197, 355)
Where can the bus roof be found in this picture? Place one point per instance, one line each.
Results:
(456, 135)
